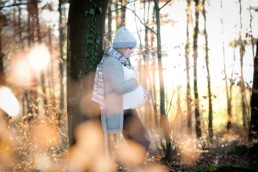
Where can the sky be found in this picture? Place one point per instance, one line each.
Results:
(174, 37)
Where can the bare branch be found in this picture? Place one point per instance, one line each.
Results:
(164, 4)
(152, 30)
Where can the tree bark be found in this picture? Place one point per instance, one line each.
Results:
(242, 82)
(253, 130)
(163, 116)
(61, 50)
(2, 74)
(109, 26)
(86, 23)
(195, 55)
(187, 64)
(210, 115)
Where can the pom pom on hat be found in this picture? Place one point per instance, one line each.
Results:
(124, 39)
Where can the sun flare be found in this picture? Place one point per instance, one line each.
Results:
(39, 57)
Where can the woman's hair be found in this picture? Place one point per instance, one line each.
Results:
(120, 50)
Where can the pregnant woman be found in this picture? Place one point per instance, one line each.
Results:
(119, 93)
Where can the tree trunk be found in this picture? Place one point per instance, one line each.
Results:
(251, 28)
(253, 130)
(123, 18)
(163, 116)
(50, 70)
(2, 75)
(19, 25)
(195, 55)
(109, 26)
(187, 64)
(146, 76)
(228, 85)
(85, 37)
(32, 95)
(210, 116)
(14, 22)
(242, 83)
(118, 14)
(37, 23)
(32, 11)
(154, 89)
(61, 50)
(153, 78)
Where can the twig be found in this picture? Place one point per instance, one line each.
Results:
(152, 30)
(164, 4)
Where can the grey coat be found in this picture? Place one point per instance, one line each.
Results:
(115, 86)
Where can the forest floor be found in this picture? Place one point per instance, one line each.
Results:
(231, 157)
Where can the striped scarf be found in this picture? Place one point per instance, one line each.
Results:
(98, 88)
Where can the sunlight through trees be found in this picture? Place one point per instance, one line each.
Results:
(196, 58)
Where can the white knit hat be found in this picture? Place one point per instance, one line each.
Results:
(124, 39)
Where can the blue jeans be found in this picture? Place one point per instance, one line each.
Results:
(134, 130)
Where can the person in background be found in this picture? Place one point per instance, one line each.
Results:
(119, 93)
